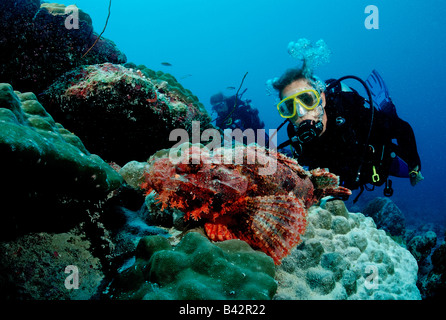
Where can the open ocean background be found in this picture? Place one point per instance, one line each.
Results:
(212, 44)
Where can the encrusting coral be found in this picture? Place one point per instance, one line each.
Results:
(98, 99)
(168, 84)
(238, 201)
(33, 267)
(37, 47)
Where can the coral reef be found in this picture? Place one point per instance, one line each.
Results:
(195, 269)
(98, 99)
(130, 216)
(44, 164)
(427, 245)
(167, 84)
(422, 245)
(129, 233)
(434, 285)
(153, 236)
(153, 214)
(37, 47)
(421, 239)
(344, 256)
(237, 201)
(33, 267)
(386, 215)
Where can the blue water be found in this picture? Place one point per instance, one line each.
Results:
(212, 44)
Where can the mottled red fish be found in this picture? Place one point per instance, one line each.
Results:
(238, 200)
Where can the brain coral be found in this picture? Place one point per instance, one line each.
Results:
(344, 256)
(195, 269)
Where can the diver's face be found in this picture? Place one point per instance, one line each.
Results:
(314, 114)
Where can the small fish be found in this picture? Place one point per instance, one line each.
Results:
(230, 88)
(167, 64)
(186, 76)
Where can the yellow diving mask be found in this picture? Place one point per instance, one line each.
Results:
(299, 103)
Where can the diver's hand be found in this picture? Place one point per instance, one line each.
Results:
(415, 176)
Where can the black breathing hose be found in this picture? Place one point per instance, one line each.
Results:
(371, 118)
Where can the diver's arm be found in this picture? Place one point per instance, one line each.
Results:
(396, 128)
(403, 133)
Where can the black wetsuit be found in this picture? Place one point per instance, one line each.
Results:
(242, 117)
(342, 147)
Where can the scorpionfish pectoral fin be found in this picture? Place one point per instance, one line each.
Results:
(272, 224)
(277, 223)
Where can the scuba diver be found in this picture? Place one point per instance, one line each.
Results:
(331, 126)
(233, 112)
